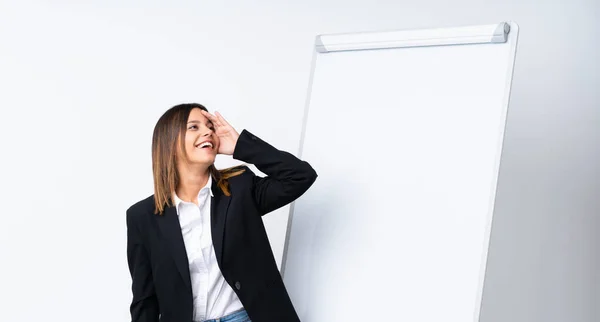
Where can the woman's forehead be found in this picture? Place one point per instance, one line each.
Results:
(196, 115)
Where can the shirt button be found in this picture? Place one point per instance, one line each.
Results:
(238, 285)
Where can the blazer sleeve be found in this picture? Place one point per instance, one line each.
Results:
(144, 305)
(287, 176)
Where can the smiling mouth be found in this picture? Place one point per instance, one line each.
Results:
(205, 145)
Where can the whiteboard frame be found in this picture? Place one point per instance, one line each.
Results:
(503, 32)
(465, 35)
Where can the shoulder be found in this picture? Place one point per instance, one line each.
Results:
(242, 181)
(240, 172)
(140, 209)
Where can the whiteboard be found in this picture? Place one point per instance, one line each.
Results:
(405, 129)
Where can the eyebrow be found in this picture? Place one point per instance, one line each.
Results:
(196, 121)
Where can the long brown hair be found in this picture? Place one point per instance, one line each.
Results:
(168, 132)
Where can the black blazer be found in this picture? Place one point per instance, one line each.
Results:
(157, 257)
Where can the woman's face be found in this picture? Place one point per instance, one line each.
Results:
(201, 143)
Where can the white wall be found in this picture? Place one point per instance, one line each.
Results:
(82, 86)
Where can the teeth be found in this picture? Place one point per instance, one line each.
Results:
(205, 144)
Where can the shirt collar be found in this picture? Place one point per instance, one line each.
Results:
(207, 186)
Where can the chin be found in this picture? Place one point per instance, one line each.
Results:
(205, 161)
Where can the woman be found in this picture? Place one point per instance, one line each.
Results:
(197, 249)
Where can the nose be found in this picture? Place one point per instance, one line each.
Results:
(207, 131)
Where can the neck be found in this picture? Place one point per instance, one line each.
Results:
(191, 180)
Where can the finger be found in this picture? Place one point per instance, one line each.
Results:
(212, 118)
(217, 120)
(222, 119)
(208, 115)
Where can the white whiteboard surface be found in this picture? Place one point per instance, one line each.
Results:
(407, 144)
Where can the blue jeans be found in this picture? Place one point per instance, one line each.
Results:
(239, 316)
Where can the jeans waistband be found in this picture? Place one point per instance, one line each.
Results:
(238, 316)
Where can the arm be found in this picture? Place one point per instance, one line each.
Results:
(144, 306)
(287, 176)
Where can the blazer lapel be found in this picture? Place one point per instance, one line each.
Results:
(169, 225)
(218, 217)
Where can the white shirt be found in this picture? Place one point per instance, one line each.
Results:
(213, 297)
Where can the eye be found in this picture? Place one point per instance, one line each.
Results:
(192, 127)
